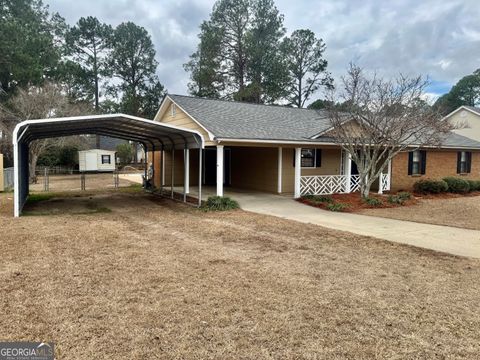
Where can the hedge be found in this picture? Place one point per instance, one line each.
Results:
(430, 186)
(456, 185)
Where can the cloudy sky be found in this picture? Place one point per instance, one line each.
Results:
(436, 38)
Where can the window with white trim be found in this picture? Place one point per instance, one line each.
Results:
(308, 158)
(106, 159)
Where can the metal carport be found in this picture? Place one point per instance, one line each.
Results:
(154, 136)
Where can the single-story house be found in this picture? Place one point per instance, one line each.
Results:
(469, 118)
(287, 150)
(96, 160)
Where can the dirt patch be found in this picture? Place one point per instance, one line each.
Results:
(158, 279)
(454, 210)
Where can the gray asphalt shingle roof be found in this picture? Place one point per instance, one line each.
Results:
(230, 119)
(238, 120)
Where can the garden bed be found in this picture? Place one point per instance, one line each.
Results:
(353, 202)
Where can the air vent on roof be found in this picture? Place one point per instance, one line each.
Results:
(173, 109)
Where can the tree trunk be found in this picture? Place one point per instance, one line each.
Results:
(31, 168)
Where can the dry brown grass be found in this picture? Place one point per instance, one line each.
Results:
(463, 212)
(157, 279)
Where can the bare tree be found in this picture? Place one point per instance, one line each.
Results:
(32, 103)
(374, 119)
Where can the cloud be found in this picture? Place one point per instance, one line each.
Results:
(437, 39)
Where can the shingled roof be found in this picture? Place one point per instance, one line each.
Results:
(238, 120)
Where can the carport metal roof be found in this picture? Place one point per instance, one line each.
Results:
(153, 135)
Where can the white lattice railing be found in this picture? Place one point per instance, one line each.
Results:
(385, 181)
(328, 184)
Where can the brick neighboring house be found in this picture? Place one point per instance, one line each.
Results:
(287, 150)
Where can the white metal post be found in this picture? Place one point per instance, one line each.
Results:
(200, 158)
(187, 171)
(173, 172)
(220, 171)
(348, 172)
(280, 171)
(298, 172)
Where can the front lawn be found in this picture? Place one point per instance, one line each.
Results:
(158, 279)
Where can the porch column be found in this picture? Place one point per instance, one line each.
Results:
(220, 170)
(389, 176)
(348, 172)
(163, 168)
(298, 171)
(279, 166)
(380, 183)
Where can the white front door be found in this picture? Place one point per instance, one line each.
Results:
(91, 162)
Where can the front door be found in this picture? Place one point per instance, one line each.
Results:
(210, 169)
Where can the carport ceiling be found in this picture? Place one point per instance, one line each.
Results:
(153, 135)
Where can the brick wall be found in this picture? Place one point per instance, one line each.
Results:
(439, 164)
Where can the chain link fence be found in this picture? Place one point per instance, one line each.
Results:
(56, 180)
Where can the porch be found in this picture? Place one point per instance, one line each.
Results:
(291, 171)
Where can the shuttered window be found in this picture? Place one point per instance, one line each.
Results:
(417, 162)
(310, 158)
(464, 162)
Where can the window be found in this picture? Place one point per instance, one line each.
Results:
(464, 162)
(417, 161)
(308, 158)
(106, 159)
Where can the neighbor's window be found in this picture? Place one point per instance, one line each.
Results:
(308, 158)
(106, 159)
(464, 162)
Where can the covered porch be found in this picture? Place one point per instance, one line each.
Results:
(237, 168)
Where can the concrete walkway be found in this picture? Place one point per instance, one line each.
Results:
(446, 239)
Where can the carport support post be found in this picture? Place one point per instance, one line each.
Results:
(200, 158)
(186, 174)
(173, 171)
(298, 171)
(219, 170)
(279, 166)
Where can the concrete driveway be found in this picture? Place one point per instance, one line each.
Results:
(446, 239)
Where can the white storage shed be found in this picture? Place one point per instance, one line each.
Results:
(96, 160)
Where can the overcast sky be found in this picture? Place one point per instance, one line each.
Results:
(436, 38)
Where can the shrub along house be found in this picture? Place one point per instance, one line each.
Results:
(288, 151)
